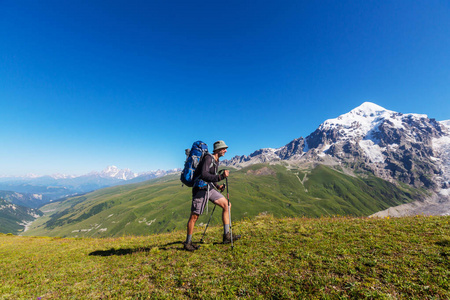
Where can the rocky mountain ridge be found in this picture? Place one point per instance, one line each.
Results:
(408, 148)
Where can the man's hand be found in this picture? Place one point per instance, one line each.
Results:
(222, 187)
(224, 173)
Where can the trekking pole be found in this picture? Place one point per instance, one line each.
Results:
(201, 241)
(229, 213)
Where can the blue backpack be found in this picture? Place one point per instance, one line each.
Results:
(194, 157)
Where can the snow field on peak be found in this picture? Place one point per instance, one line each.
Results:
(442, 147)
(369, 109)
(360, 121)
(115, 172)
(372, 150)
(365, 119)
(446, 123)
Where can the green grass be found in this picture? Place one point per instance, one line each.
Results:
(287, 258)
(163, 205)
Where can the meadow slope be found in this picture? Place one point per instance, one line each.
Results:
(287, 258)
(163, 205)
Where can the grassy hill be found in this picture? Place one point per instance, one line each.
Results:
(163, 205)
(289, 258)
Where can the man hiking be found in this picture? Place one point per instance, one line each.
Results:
(208, 172)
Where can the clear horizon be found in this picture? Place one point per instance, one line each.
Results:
(91, 84)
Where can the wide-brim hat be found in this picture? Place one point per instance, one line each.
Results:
(220, 145)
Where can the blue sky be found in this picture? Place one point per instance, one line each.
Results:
(87, 84)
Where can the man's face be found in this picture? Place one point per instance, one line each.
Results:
(222, 152)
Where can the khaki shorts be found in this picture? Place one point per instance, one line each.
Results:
(200, 198)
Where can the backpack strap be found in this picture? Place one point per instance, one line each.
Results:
(199, 182)
(213, 160)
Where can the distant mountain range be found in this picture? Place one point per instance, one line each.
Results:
(21, 196)
(34, 191)
(110, 172)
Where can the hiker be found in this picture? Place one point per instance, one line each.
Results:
(208, 172)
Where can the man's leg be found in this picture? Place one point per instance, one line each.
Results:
(190, 227)
(198, 204)
(223, 202)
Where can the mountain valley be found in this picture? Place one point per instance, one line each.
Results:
(368, 162)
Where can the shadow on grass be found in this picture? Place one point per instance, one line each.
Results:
(444, 243)
(128, 251)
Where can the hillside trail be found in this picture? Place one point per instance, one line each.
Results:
(302, 181)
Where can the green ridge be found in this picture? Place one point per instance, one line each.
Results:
(163, 205)
(13, 216)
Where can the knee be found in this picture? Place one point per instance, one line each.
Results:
(223, 202)
(193, 218)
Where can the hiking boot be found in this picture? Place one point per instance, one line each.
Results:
(190, 247)
(227, 238)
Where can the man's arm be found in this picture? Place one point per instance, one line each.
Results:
(206, 171)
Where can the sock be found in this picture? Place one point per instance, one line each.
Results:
(189, 238)
(226, 228)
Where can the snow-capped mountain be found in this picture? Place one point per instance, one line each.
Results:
(116, 173)
(391, 144)
(124, 174)
(410, 148)
(60, 176)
